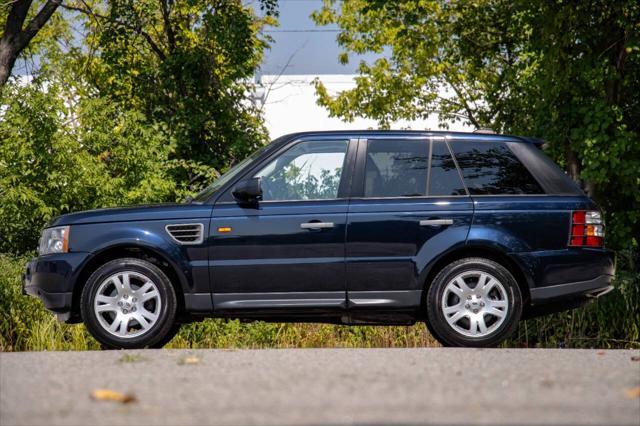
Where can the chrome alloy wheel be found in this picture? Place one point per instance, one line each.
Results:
(127, 304)
(475, 303)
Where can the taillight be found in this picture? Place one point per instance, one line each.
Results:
(587, 229)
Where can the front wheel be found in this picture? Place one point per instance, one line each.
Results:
(473, 302)
(129, 304)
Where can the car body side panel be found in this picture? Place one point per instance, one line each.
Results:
(189, 261)
(150, 212)
(387, 248)
(557, 267)
(54, 273)
(534, 231)
(524, 223)
(264, 252)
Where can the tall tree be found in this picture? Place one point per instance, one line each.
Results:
(16, 36)
(186, 64)
(567, 72)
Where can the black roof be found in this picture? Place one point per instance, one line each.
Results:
(414, 133)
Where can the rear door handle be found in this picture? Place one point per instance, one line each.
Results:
(317, 225)
(436, 222)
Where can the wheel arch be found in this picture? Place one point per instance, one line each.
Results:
(156, 257)
(487, 252)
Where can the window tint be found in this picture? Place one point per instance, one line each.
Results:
(491, 168)
(396, 168)
(444, 178)
(551, 177)
(307, 171)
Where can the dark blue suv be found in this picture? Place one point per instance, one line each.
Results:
(467, 232)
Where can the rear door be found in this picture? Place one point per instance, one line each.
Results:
(288, 251)
(408, 206)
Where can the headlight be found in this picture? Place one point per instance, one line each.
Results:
(54, 240)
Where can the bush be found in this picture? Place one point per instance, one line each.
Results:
(25, 324)
(56, 158)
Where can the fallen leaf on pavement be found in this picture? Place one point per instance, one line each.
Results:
(110, 395)
(600, 353)
(635, 358)
(632, 393)
(132, 358)
(190, 360)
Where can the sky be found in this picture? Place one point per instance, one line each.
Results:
(311, 49)
(298, 47)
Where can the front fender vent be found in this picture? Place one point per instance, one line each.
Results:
(186, 233)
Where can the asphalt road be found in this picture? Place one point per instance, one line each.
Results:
(323, 386)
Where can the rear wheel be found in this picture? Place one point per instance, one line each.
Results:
(129, 303)
(473, 302)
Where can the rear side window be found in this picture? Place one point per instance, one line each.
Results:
(490, 168)
(547, 173)
(396, 168)
(444, 178)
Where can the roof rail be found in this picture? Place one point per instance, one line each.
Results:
(485, 131)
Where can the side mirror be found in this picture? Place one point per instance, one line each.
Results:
(248, 191)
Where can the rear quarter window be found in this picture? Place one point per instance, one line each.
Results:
(491, 168)
(552, 178)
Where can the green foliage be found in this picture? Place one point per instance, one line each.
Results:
(566, 72)
(188, 65)
(149, 107)
(153, 102)
(59, 156)
(25, 324)
(294, 182)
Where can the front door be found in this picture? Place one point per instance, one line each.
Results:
(288, 251)
(409, 206)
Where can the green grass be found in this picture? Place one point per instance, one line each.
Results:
(612, 322)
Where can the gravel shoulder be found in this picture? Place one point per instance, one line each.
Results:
(323, 386)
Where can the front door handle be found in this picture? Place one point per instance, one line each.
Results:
(317, 225)
(436, 222)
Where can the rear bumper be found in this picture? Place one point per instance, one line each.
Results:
(572, 273)
(52, 278)
(593, 287)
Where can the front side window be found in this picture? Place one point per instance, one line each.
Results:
(396, 168)
(490, 168)
(310, 170)
(230, 174)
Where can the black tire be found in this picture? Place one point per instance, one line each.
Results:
(175, 328)
(437, 322)
(159, 333)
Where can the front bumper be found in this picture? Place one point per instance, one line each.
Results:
(52, 278)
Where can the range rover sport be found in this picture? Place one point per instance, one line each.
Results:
(468, 233)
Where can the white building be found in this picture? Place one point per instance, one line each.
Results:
(289, 104)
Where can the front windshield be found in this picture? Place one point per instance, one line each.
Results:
(233, 171)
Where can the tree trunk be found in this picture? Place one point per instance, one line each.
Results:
(573, 163)
(7, 60)
(14, 38)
